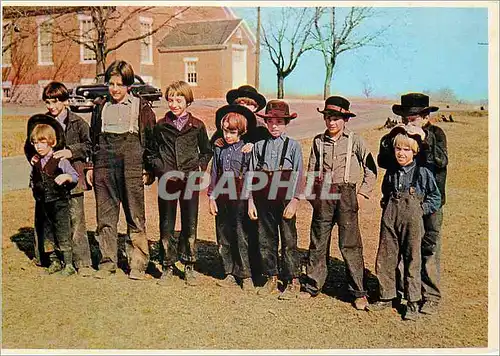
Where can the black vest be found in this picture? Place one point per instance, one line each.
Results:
(44, 186)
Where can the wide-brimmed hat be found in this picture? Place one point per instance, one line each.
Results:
(409, 130)
(278, 109)
(247, 113)
(337, 105)
(413, 104)
(47, 120)
(246, 91)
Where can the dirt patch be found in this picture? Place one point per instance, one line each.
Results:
(42, 311)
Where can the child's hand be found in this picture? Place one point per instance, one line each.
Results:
(247, 148)
(35, 159)
(213, 207)
(290, 209)
(63, 178)
(219, 142)
(252, 210)
(63, 154)
(90, 177)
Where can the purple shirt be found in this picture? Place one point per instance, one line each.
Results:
(64, 165)
(180, 121)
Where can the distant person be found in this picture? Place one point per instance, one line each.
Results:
(409, 192)
(121, 130)
(230, 163)
(340, 157)
(180, 143)
(77, 150)
(415, 110)
(277, 156)
(51, 181)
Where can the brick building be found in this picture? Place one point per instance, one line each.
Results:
(208, 47)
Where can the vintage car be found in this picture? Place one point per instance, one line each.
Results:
(82, 97)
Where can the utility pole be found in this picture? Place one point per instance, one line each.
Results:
(257, 52)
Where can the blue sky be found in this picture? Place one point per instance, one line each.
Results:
(423, 49)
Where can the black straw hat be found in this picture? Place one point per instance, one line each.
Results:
(47, 120)
(337, 105)
(246, 91)
(413, 104)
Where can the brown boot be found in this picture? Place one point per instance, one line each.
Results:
(292, 290)
(270, 288)
(190, 275)
(227, 282)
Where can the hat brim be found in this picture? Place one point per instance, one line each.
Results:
(47, 120)
(412, 110)
(247, 113)
(234, 94)
(289, 117)
(335, 112)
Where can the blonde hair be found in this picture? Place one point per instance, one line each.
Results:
(403, 140)
(245, 101)
(180, 88)
(235, 121)
(44, 132)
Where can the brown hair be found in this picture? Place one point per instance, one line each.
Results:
(180, 88)
(44, 132)
(55, 90)
(235, 121)
(121, 68)
(403, 140)
(245, 101)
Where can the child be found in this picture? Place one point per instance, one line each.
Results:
(340, 157)
(408, 193)
(121, 128)
(51, 181)
(415, 110)
(77, 151)
(180, 143)
(278, 156)
(231, 163)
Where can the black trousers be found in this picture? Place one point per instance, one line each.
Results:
(270, 227)
(231, 227)
(81, 247)
(344, 213)
(184, 247)
(52, 228)
(118, 180)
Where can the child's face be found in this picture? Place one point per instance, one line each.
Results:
(335, 124)
(117, 89)
(404, 155)
(177, 104)
(230, 136)
(54, 106)
(42, 147)
(416, 120)
(276, 126)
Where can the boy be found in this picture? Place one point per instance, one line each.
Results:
(77, 151)
(408, 193)
(121, 128)
(278, 156)
(180, 143)
(231, 163)
(415, 110)
(51, 181)
(339, 156)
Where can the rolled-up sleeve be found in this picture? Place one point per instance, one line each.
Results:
(369, 167)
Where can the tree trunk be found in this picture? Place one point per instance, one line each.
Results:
(100, 66)
(328, 82)
(281, 83)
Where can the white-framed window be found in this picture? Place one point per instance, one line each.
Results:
(6, 41)
(147, 42)
(87, 34)
(6, 89)
(148, 79)
(44, 41)
(190, 71)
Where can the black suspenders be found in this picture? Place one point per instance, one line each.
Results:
(283, 155)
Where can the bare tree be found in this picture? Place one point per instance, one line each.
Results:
(367, 89)
(334, 38)
(106, 34)
(287, 39)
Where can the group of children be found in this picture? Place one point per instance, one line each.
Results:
(256, 184)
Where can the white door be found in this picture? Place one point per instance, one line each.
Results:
(239, 65)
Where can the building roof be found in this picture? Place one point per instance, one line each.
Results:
(200, 34)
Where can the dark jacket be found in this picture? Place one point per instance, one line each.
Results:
(433, 155)
(43, 182)
(186, 150)
(146, 123)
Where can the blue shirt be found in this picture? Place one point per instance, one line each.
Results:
(399, 180)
